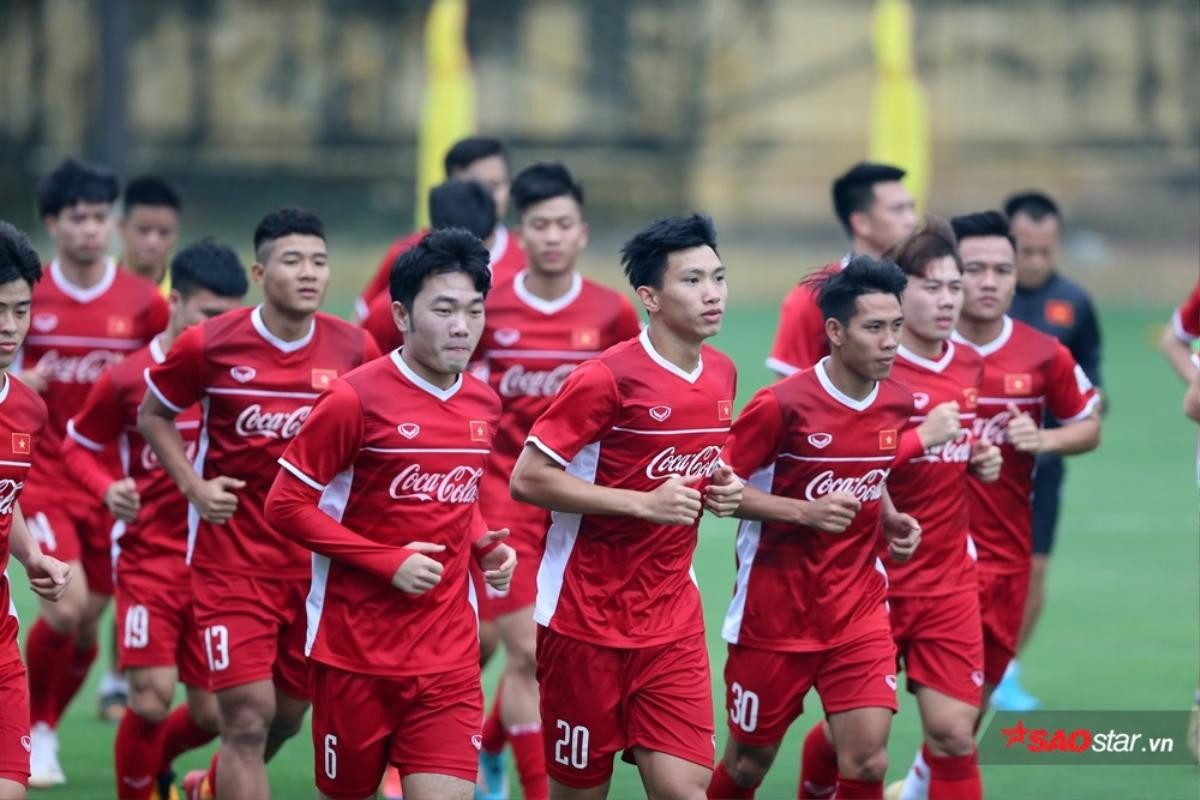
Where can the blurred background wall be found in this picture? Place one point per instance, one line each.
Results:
(744, 108)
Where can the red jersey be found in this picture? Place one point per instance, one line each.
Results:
(75, 335)
(22, 425)
(507, 259)
(933, 487)
(255, 391)
(629, 419)
(799, 589)
(109, 416)
(383, 445)
(1035, 372)
(1186, 319)
(800, 341)
(379, 323)
(527, 350)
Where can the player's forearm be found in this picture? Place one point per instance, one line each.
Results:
(546, 485)
(1069, 440)
(83, 465)
(759, 505)
(24, 547)
(163, 437)
(1178, 354)
(1191, 399)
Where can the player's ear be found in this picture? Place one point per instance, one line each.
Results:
(256, 272)
(835, 331)
(649, 298)
(584, 241)
(400, 316)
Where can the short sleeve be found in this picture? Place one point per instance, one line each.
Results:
(584, 409)
(371, 349)
(1186, 320)
(157, 316)
(329, 439)
(379, 323)
(754, 438)
(98, 423)
(628, 325)
(179, 380)
(1070, 395)
(800, 340)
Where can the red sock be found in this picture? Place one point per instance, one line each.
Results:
(818, 765)
(212, 773)
(526, 742)
(954, 777)
(493, 728)
(73, 674)
(180, 734)
(47, 651)
(722, 786)
(137, 754)
(848, 789)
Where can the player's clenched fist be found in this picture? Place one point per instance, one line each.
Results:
(832, 513)
(123, 500)
(903, 534)
(1023, 433)
(986, 461)
(216, 500)
(48, 577)
(940, 425)
(674, 502)
(419, 573)
(724, 492)
(500, 562)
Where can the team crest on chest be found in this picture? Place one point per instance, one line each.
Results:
(820, 440)
(120, 326)
(887, 439)
(724, 410)
(44, 323)
(971, 397)
(408, 430)
(21, 444)
(243, 374)
(479, 430)
(1018, 383)
(660, 413)
(321, 378)
(920, 400)
(507, 337)
(585, 338)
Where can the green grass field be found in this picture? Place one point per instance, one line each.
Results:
(1120, 630)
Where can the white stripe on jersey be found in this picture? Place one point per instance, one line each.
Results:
(197, 465)
(749, 533)
(644, 432)
(333, 503)
(560, 539)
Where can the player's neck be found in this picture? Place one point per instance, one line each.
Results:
(548, 286)
(847, 381)
(681, 352)
(153, 274)
(861, 247)
(925, 348)
(287, 327)
(441, 380)
(979, 331)
(82, 275)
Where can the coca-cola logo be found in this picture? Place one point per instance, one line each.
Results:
(669, 463)
(86, 368)
(865, 488)
(150, 460)
(956, 451)
(9, 489)
(458, 485)
(254, 421)
(520, 382)
(994, 429)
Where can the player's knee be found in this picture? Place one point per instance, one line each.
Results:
(865, 765)
(64, 616)
(522, 660)
(747, 772)
(204, 714)
(245, 726)
(953, 737)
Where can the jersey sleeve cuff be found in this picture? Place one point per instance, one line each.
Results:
(782, 367)
(300, 476)
(158, 393)
(540, 445)
(1088, 408)
(361, 308)
(90, 444)
(1180, 332)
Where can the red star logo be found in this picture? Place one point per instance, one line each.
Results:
(1015, 735)
(479, 430)
(321, 378)
(119, 326)
(20, 444)
(1018, 383)
(887, 440)
(585, 338)
(724, 410)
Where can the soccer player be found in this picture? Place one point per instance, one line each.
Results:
(1181, 333)
(149, 227)
(540, 326)
(392, 451)
(876, 211)
(455, 203)
(1054, 304)
(23, 419)
(476, 158)
(627, 457)
(87, 316)
(157, 636)
(257, 372)
(809, 607)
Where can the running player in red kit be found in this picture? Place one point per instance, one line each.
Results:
(627, 456)
(540, 326)
(809, 607)
(158, 641)
(22, 424)
(87, 315)
(395, 451)
(1178, 336)
(257, 372)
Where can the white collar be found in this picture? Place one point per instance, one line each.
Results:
(4, 391)
(838, 394)
(288, 347)
(547, 306)
(929, 364)
(156, 351)
(499, 244)
(690, 377)
(421, 383)
(985, 350)
(78, 293)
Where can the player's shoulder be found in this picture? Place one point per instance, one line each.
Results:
(716, 359)
(599, 292)
(481, 393)
(25, 401)
(896, 390)
(1065, 288)
(329, 325)
(221, 327)
(131, 287)
(1029, 339)
(964, 357)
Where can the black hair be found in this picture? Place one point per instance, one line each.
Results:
(285, 222)
(644, 257)
(466, 152)
(932, 241)
(543, 181)
(462, 204)
(838, 292)
(18, 259)
(151, 190)
(442, 251)
(855, 190)
(74, 181)
(982, 223)
(1033, 204)
(208, 264)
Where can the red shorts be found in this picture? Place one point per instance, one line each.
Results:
(14, 718)
(421, 723)
(1002, 605)
(78, 534)
(939, 641)
(156, 626)
(764, 689)
(253, 629)
(599, 700)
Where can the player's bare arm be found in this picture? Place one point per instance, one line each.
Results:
(48, 577)
(1191, 399)
(724, 492)
(986, 461)
(831, 513)
(902, 531)
(419, 573)
(1077, 437)
(1175, 349)
(539, 480)
(214, 499)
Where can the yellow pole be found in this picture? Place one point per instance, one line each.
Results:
(899, 132)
